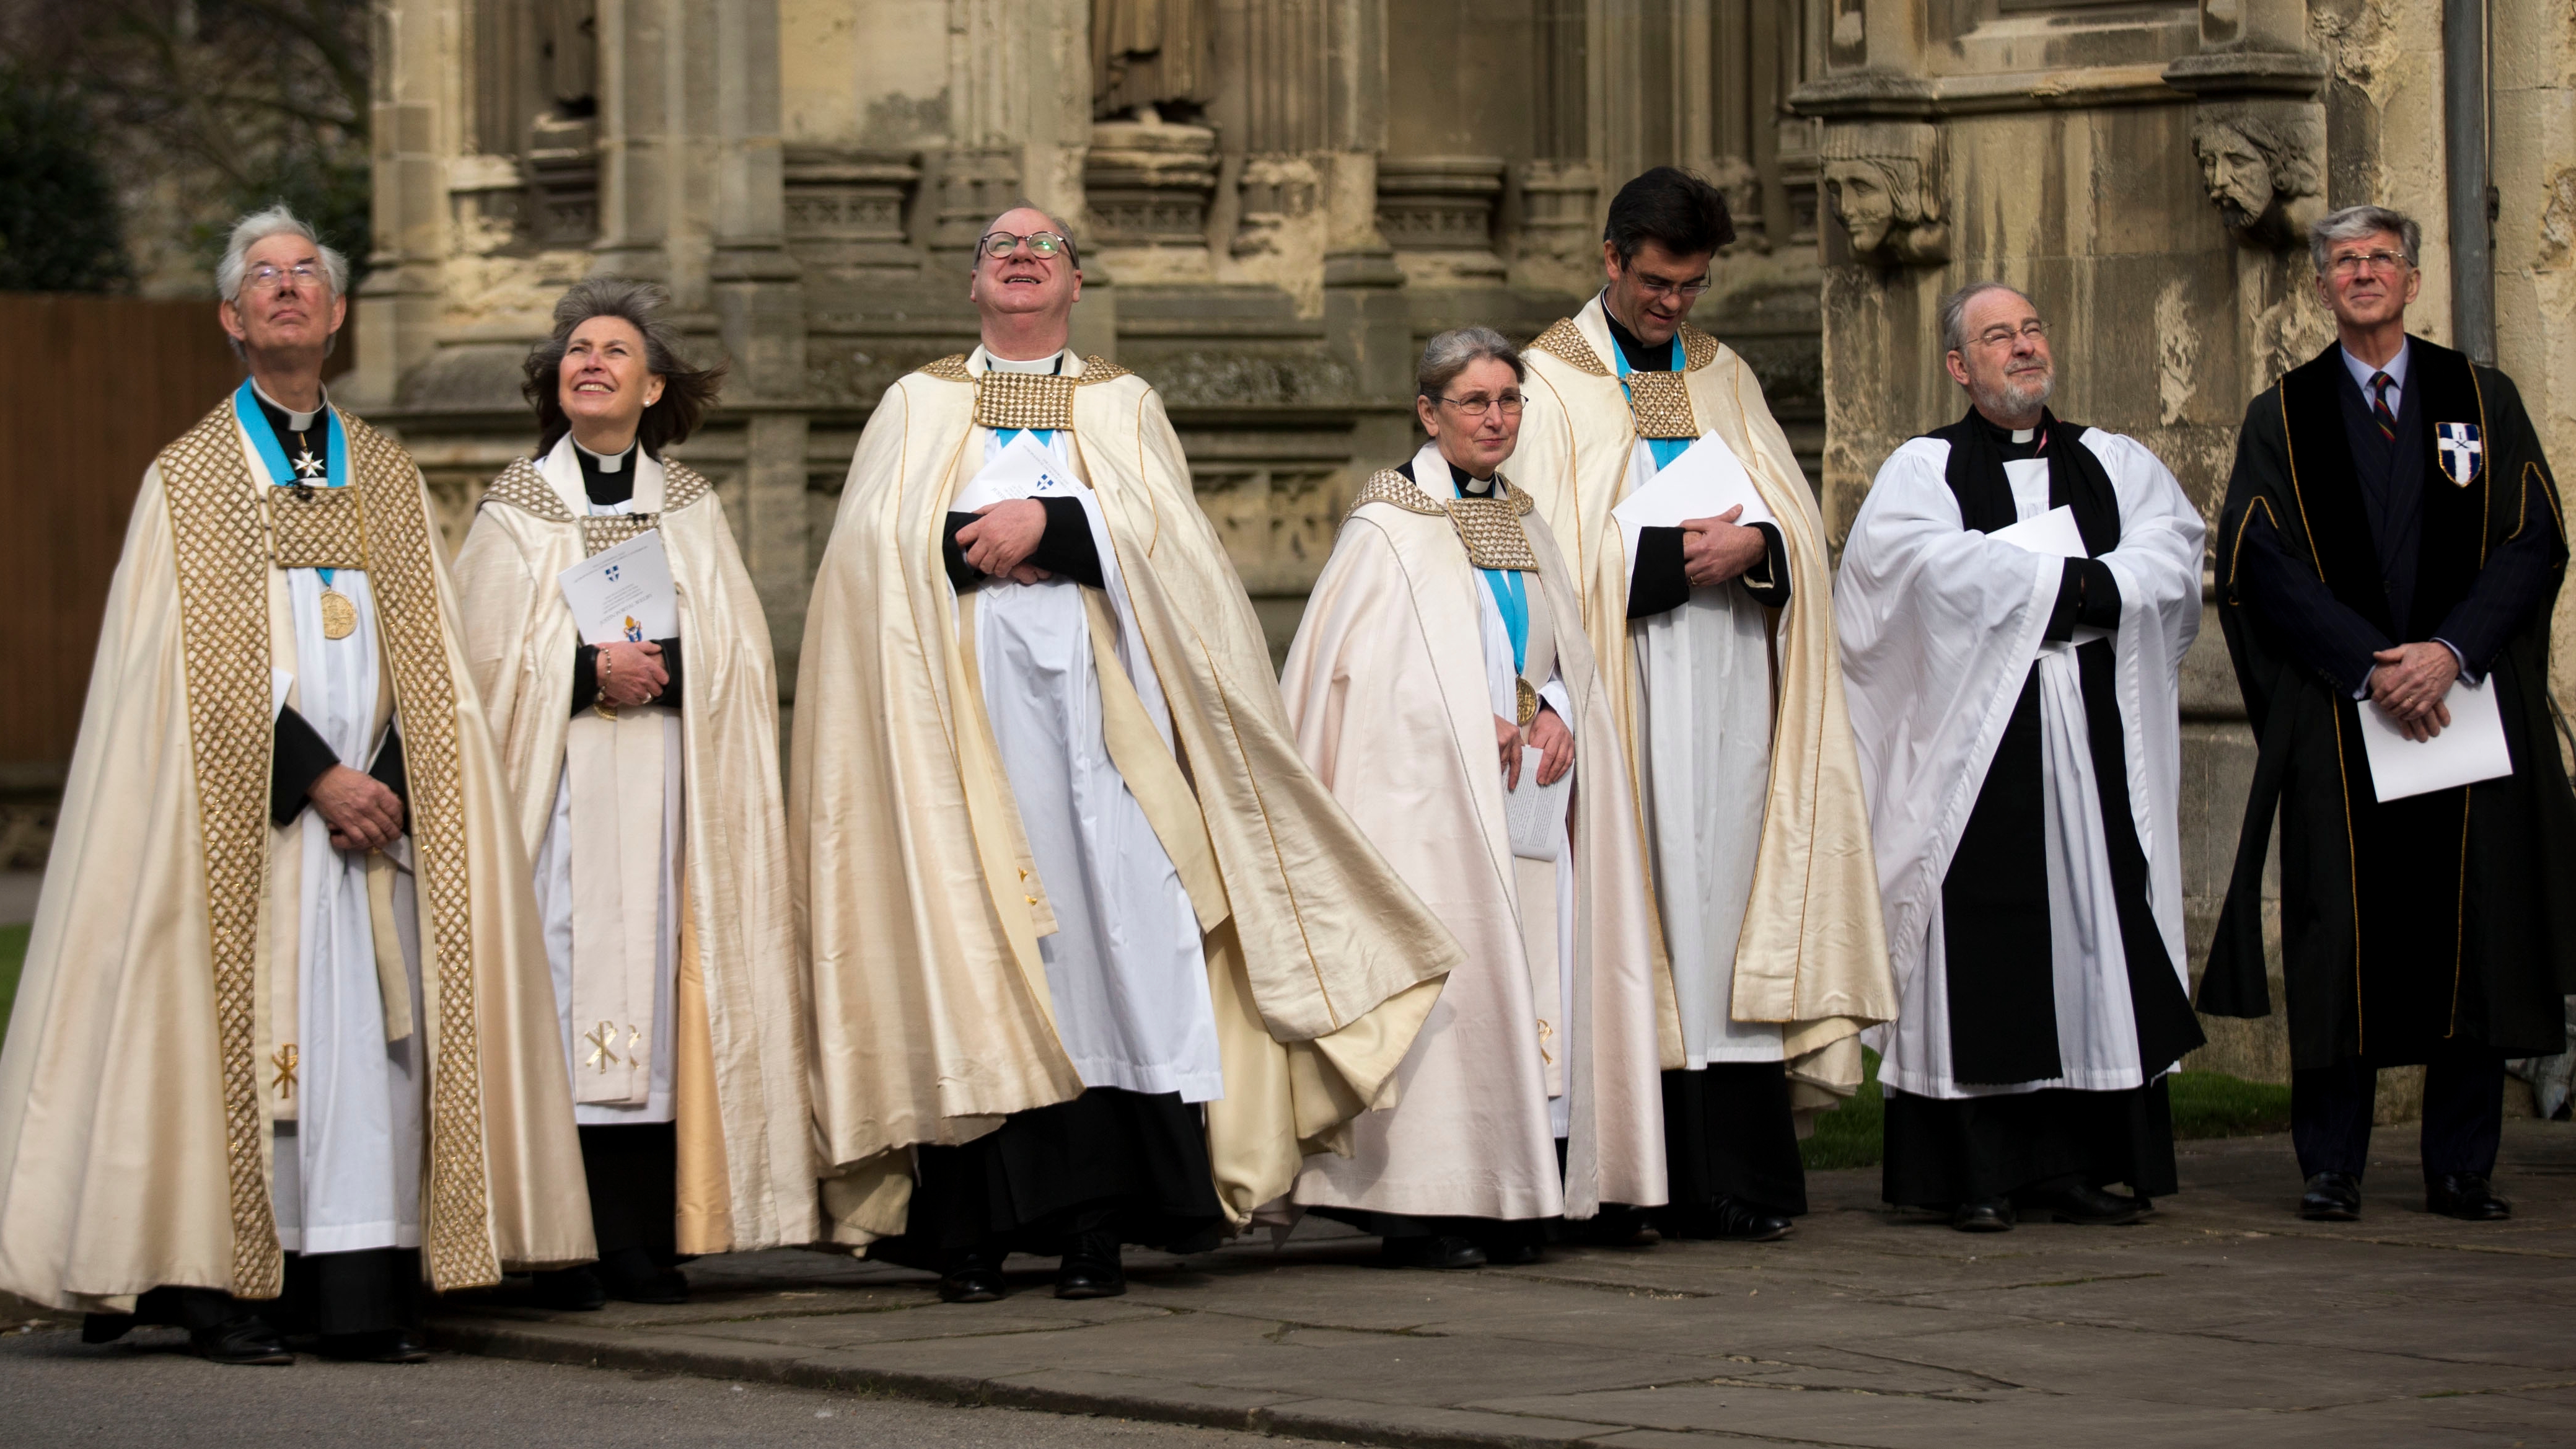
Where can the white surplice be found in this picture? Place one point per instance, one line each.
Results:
(555, 865)
(1704, 774)
(347, 1174)
(1940, 626)
(1125, 969)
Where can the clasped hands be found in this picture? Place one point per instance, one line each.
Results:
(1002, 537)
(1717, 549)
(2410, 683)
(1547, 734)
(631, 674)
(362, 813)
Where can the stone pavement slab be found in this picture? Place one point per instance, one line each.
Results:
(2222, 1320)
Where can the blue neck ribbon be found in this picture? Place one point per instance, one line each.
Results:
(1044, 437)
(1511, 595)
(272, 456)
(1664, 450)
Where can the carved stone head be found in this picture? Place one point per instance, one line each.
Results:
(2260, 170)
(1882, 182)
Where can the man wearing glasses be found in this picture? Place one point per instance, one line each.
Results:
(2388, 560)
(1068, 993)
(2016, 597)
(1715, 638)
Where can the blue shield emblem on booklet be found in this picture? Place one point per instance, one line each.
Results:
(2460, 451)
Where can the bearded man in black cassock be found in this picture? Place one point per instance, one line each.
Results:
(2391, 532)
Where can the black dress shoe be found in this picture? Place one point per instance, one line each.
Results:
(1090, 1268)
(391, 1345)
(1517, 1253)
(105, 1327)
(974, 1276)
(2331, 1197)
(1994, 1215)
(1613, 1227)
(634, 1276)
(246, 1339)
(1734, 1220)
(2094, 1208)
(570, 1290)
(1441, 1250)
(2466, 1196)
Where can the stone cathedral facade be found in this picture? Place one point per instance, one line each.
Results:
(1278, 201)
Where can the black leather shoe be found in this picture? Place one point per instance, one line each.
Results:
(2094, 1208)
(974, 1277)
(1614, 1227)
(1994, 1215)
(1443, 1250)
(570, 1290)
(246, 1339)
(391, 1345)
(105, 1327)
(1517, 1253)
(1734, 1220)
(633, 1276)
(2331, 1197)
(2466, 1196)
(1090, 1268)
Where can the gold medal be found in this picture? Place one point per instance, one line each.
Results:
(339, 616)
(1526, 700)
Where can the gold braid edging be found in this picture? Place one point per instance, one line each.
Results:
(1565, 341)
(221, 550)
(457, 1236)
(1490, 529)
(523, 486)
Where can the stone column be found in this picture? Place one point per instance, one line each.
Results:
(759, 303)
(657, 143)
(2532, 92)
(415, 133)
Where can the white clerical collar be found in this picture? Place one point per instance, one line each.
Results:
(2024, 435)
(1052, 362)
(299, 422)
(605, 462)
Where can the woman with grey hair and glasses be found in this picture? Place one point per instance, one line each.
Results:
(643, 755)
(1439, 685)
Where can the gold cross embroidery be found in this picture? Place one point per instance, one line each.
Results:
(284, 1060)
(602, 1039)
(1546, 1033)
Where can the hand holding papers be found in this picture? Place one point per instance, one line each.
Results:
(2470, 750)
(1535, 813)
(1020, 470)
(1705, 481)
(624, 594)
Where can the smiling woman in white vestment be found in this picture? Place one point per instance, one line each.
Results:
(646, 777)
(1440, 674)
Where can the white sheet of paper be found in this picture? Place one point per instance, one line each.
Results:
(2053, 533)
(1705, 481)
(624, 594)
(2470, 749)
(1534, 812)
(1021, 469)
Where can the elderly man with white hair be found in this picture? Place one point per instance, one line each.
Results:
(2015, 600)
(284, 1047)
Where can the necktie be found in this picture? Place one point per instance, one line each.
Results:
(2380, 383)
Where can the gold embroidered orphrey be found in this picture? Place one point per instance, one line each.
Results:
(1659, 403)
(523, 485)
(1042, 401)
(1488, 528)
(223, 551)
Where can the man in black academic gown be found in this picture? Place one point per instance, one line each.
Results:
(2392, 529)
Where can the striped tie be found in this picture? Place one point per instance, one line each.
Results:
(2380, 383)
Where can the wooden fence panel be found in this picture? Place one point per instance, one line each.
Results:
(90, 389)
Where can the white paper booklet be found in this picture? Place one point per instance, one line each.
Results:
(1705, 481)
(1021, 470)
(624, 594)
(1534, 812)
(2053, 533)
(2470, 749)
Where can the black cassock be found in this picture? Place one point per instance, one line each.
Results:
(2438, 927)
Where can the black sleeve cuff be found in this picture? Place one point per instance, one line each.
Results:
(585, 676)
(2097, 596)
(961, 574)
(670, 695)
(1656, 583)
(1768, 582)
(2061, 615)
(388, 771)
(1067, 548)
(299, 757)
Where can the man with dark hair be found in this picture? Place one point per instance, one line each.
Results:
(1716, 642)
(2390, 552)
